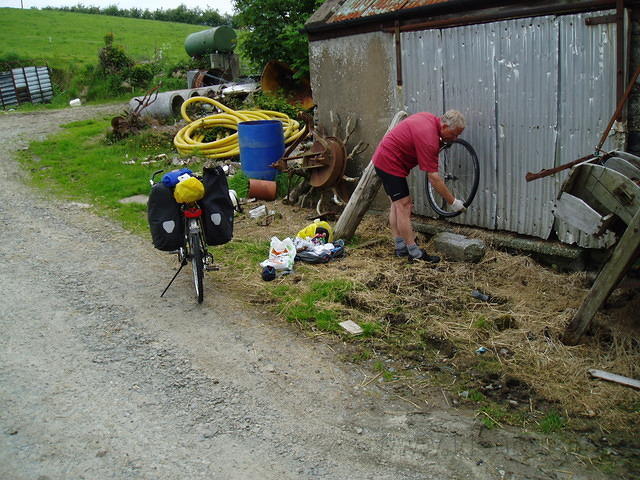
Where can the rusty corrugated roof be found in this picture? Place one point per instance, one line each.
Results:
(352, 9)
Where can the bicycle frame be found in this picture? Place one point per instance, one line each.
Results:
(191, 215)
(194, 248)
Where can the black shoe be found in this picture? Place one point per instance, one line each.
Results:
(425, 257)
(402, 252)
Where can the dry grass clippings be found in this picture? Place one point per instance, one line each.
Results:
(428, 320)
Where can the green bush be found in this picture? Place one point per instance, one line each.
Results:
(278, 103)
(141, 75)
(113, 59)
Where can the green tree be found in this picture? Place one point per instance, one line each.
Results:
(272, 31)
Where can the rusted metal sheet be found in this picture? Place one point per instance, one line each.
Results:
(336, 18)
(471, 88)
(587, 83)
(536, 92)
(422, 65)
(466, 56)
(352, 9)
(527, 96)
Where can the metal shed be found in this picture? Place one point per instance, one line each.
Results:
(537, 84)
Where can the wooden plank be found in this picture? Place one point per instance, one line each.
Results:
(607, 191)
(577, 213)
(624, 253)
(632, 159)
(363, 195)
(613, 377)
(576, 185)
(624, 167)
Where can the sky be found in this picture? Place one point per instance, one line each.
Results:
(223, 6)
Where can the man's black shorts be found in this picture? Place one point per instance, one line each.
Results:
(396, 187)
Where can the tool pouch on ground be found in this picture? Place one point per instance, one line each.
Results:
(217, 207)
(165, 220)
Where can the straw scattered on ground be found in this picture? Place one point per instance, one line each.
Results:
(429, 327)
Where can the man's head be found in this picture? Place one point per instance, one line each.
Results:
(451, 125)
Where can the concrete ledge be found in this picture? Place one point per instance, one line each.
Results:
(554, 253)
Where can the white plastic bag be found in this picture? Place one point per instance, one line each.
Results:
(281, 254)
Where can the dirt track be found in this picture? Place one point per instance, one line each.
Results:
(103, 379)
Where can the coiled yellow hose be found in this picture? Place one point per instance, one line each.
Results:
(189, 139)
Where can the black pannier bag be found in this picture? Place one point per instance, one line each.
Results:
(217, 207)
(165, 219)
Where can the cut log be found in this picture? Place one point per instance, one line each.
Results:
(363, 195)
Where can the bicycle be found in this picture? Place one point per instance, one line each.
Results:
(460, 171)
(194, 247)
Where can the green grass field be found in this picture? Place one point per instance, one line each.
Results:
(68, 40)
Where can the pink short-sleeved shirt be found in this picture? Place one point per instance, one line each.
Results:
(414, 141)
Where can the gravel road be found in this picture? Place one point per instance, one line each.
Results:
(100, 378)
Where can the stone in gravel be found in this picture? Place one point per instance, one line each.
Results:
(140, 199)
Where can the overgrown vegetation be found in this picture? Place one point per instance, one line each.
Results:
(120, 53)
(107, 59)
(271, 30)
(71, 41)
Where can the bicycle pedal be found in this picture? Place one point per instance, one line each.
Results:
(211, 268)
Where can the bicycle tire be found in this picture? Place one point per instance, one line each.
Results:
(460, 169)
(197, 264)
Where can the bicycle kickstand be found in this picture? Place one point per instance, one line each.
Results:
(174, 277)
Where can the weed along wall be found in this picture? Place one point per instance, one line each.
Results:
(353, 78)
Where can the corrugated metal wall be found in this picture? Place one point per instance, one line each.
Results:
(588, 57)
(25, 85)
(513, 81)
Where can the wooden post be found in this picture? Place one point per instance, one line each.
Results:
(362, 196)
(623, 256)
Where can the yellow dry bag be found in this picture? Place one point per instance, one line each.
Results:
(189, 190)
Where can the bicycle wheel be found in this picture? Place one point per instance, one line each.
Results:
(460, 170)
(197, 264)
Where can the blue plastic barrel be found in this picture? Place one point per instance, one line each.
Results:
(261, 144)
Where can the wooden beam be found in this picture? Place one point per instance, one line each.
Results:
(577, 213)
(620, 63)
(398, 54)
(363, 195)
(612, 377)
(602, 20)
(624, 254)
(624, 167)
(607, 191)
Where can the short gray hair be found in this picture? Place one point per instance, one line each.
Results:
(453, 119)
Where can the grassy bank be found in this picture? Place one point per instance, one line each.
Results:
(69, 41)
(423, 329)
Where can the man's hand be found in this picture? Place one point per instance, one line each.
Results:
(457, 206)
